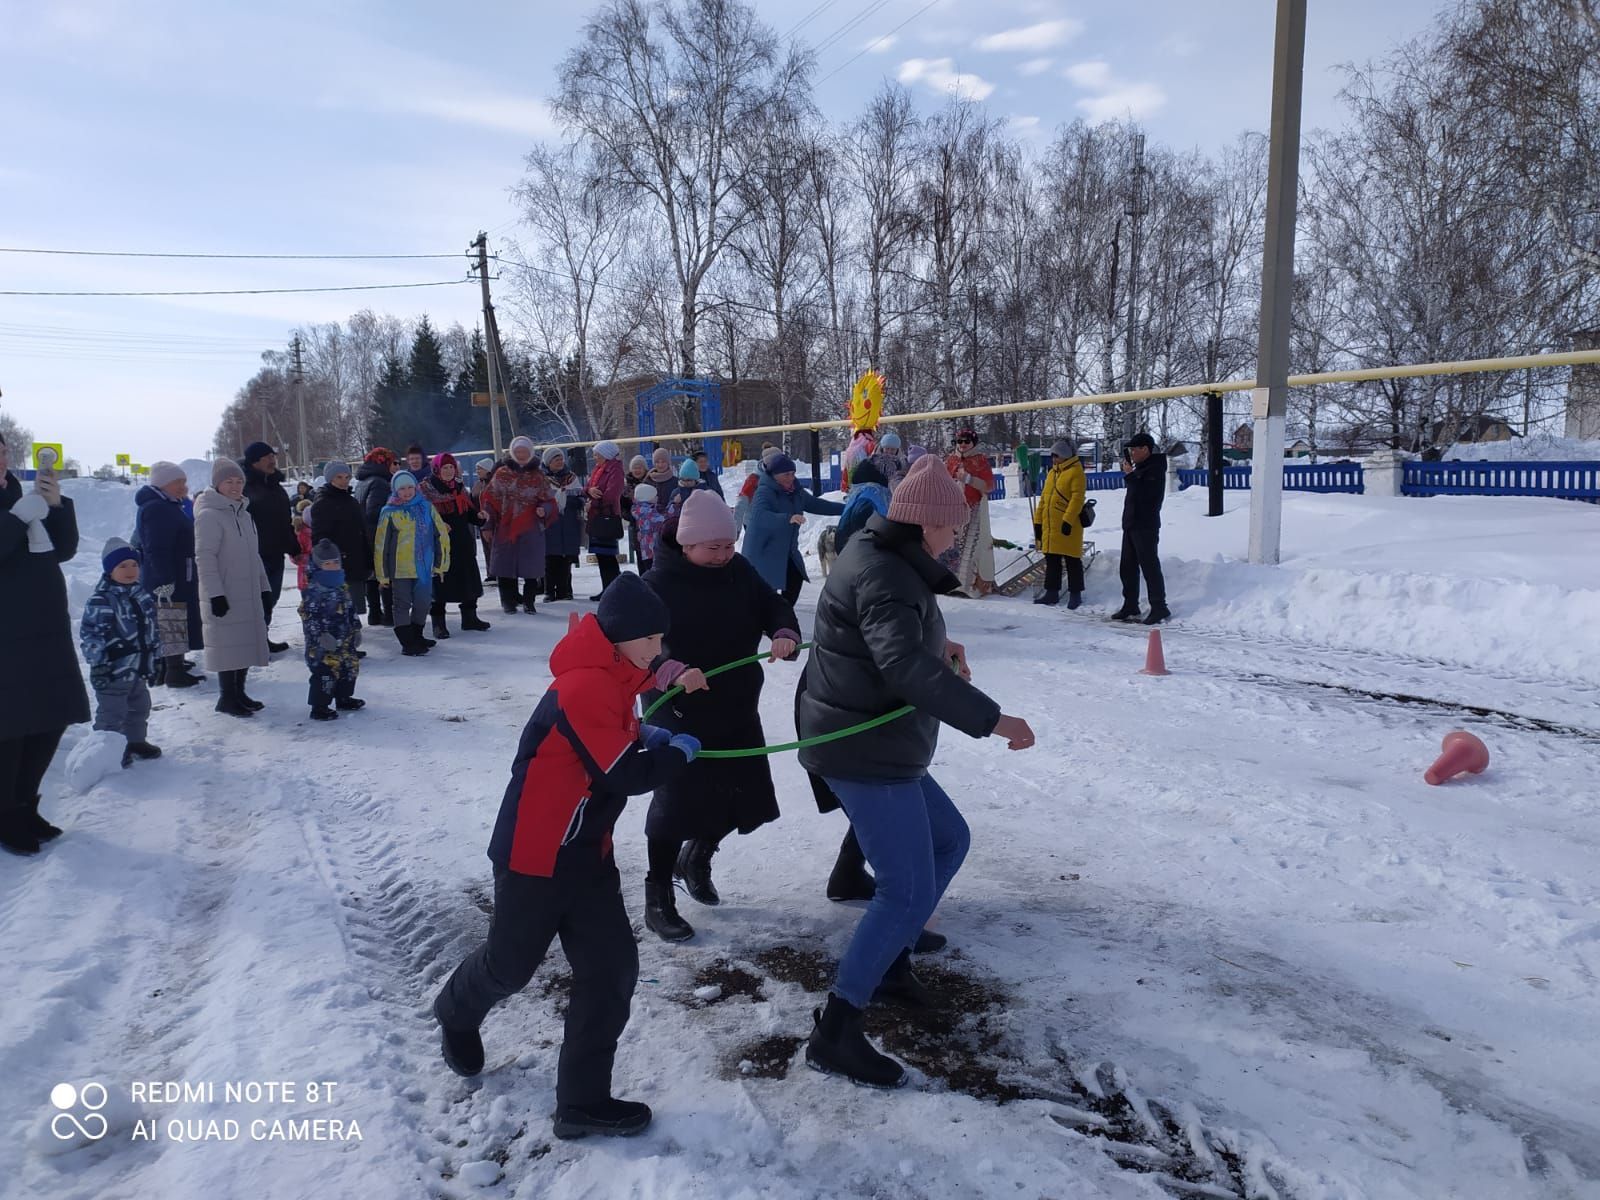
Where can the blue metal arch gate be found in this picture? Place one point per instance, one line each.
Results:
(707, 391)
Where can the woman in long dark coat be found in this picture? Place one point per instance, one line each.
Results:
(721, 608)
(38, 532)
(163, 531)
(372, 490)
(462, 584)
(563, 541)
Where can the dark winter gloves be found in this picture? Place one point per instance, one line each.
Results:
(654, 736)
(688, 743)
(1066, 529)
(219, 606)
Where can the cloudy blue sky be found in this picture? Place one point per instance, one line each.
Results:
(395, 128)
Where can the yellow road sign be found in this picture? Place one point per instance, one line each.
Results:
(124, 460)
(55, 463)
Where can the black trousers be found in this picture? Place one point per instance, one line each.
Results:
(23, 762)
(1139, 554)
(793, 581)
(610, 568)
(558, 576)
(274, 568)
(1052, 572)
(585, 910)
(510, 597)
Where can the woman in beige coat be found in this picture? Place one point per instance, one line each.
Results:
(232, 583)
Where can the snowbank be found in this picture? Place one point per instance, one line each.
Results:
(1536, 447)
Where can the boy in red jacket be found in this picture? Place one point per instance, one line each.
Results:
(582, 754)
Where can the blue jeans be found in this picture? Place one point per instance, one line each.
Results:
(915, 840)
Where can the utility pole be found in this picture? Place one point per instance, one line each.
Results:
(1270, 400)
(490, 350)
(300, 399)
(1136, 210)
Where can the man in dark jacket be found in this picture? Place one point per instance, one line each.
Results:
(273, 515)
(372, 490)
(163, 530)
(337, 516)
(1145, 476)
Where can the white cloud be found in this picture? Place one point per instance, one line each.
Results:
(881, 44)
(940, 75)
(1024, 126)
(1036, 66)
(1112, 98)
(1034, 38)
(1091, 76)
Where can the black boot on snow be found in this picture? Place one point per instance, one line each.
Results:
(1158, 614)
(609, 1118)
(462, 1048)
(17, 833)
(929, 942)
(410, 644)
(849, 880)
(901, 986)
(661, 914)
(421, 638)
(1074, 599)
(440, 630)
(838, 1047)
(177, 673)
(42, 829)
(1048, 598)
(1128, 612)
(230, 703)
(470, 622)
(144, 750)
(694, 868)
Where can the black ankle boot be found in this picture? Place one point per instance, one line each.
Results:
(901, 986)
(838, 1047)
(252, 705)
(177, 673)
(609, 1118)
(694, 868)
(42, 829)
(849, 880)
(462, 1048)
(470, 622)
(230, 703)
(661, 914)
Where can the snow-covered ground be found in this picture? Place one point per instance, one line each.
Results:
(1216, 937)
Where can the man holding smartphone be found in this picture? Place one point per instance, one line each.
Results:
(1145, 477)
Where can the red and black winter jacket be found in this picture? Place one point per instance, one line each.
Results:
(579, 760)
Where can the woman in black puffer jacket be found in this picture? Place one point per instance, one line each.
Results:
(879, 644)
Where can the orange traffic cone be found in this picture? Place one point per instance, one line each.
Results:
(1462, 752)
(1155, 661)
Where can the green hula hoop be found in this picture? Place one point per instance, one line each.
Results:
(758, 751)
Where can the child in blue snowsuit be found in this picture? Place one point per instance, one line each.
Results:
(121, 646)
(333, 632)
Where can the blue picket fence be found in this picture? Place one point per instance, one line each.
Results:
(1324, 478)
(1559, 480)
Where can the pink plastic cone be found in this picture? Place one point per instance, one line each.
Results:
(1155, 660)
(1462, 752)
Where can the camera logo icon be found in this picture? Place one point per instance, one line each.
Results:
(66, 1124)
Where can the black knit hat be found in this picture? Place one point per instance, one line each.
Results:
(866, 471)
(629, 609)
(255, 452)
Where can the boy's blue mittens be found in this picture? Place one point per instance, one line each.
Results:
(654, 736)
(689, 744)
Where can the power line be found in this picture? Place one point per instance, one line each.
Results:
(839, 33)
(809, 17)
(875, 41)
(158, 254)
(364, 287)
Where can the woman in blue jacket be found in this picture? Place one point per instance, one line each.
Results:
(772, 533)
(163, 531)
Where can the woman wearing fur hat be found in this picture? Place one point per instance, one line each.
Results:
(564, 541)
(461, 584)
(720, 608)
(233, 586)
(520, 506)
(38, 532)
(879, 644)
(971, 558)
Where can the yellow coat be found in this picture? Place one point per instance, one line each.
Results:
(1062, 500)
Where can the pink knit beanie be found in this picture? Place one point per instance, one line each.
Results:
(705, 518)
(927, 496)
